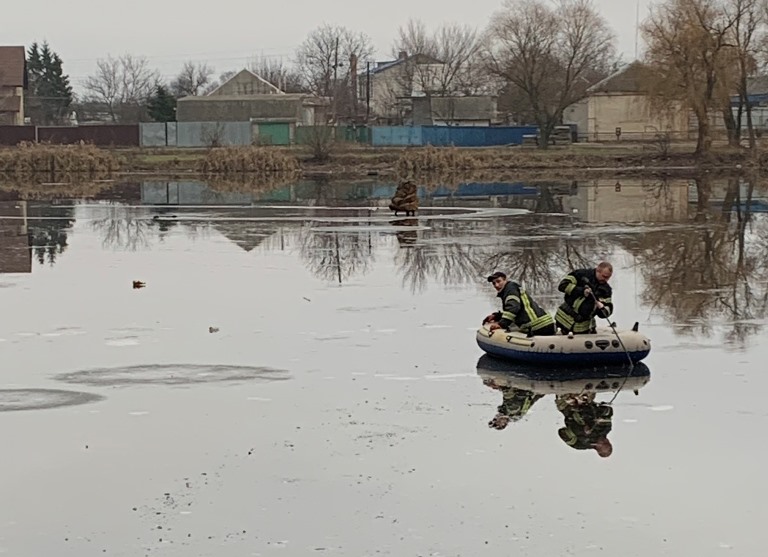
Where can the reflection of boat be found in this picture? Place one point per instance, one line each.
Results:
(601, 348)
(561, 381)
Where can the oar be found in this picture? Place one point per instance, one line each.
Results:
(631, 363)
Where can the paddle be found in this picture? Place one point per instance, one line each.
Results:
(631, 363)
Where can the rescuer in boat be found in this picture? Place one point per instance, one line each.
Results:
(518, 308)
(587, 423)
(587, 294)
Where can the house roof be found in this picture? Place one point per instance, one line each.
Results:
(12, 62)
(251, 74)
(417, 58)
(632, 78)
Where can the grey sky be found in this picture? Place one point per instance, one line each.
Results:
(227, 33)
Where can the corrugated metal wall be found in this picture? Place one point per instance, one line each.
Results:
(13, 135)
(469, 136)
(396, 135)
(103, 135)
(158, 134)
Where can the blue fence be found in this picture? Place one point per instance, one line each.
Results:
(400, 136)
(460, 136)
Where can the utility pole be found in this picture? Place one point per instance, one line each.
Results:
(367, 93)
(353, 84)
(637, 24)
(335, 66)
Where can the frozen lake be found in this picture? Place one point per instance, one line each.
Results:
(299, 376)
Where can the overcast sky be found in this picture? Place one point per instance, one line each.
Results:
(227, 33)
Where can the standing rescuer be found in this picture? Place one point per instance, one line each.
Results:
(518, 308)
(587, 293)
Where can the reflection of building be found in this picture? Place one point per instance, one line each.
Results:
(628, 200)
(15, 252)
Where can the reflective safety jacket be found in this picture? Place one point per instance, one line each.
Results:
(577, 312)
(585, 424)
(519, 308)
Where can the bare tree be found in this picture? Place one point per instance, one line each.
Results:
(686, 45)
(193, 79)
(123, 86)
(455, 51)
(749, 24)
(323, 61)
(279, 74)
(551, 54)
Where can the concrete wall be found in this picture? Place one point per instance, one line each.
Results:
(635, 116)
(11, 106)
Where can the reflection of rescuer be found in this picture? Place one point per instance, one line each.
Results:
(515, 403)
(587, 423)
(518, 308)
(587, 293)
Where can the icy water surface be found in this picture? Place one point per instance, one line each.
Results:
(298, 375)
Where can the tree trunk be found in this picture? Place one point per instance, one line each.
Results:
(730, 126)
(703, 141)
(750, 126)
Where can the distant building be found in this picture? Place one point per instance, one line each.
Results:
(13, 81)
(621, 102)
(454, 111)
(246, 97)
(246, 82)
(387, 88)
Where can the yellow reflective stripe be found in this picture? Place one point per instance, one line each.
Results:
(570, 279)
(563, 318)
(539, 321)
(568, 436)
(527, 307)
(606, 300)
(508, 315)
(577, 303)
(512, 297)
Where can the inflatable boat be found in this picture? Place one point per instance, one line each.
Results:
(600, 348)
(562, 380)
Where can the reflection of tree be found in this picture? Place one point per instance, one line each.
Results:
(336, 256)
(48, 226)
(541, 264)
(442, 255)
(708, 270)
(124, 227)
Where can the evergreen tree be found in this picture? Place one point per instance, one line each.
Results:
(49, 94)
(162, 105)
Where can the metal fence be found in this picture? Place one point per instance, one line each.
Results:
(103, 135)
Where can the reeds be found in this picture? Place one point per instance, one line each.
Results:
(435, 159)
(233, 160)
(84, 160)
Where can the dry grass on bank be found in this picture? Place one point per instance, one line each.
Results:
(35, 158)
(233, 160)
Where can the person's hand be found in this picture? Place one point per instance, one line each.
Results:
(599, 305)
(489, 319)
(587, 291)
(494, 326)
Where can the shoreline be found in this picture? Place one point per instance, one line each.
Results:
(576, 161)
